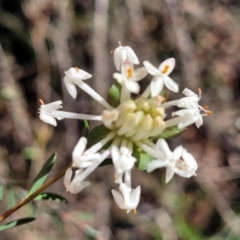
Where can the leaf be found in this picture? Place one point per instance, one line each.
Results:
(51, 197)
(170, 132)
(1, 193)
(16, 223)
(43, 174)
(86, 125)
(114, 94)
(96, 135)
(143, 159)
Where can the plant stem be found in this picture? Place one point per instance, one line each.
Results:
(33, 195)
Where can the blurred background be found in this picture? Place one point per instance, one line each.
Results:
(40, 39)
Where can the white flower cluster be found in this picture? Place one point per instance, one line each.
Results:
(133, 123)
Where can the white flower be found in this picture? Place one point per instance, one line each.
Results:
(191, 100)
(188, 117)
(123, 162)
(79, 159)
(128, 77)
(74, 186)
(161, 76)
(186, 167)
(46, 111)
(128, 198)
(74, 76)
(171, 160)
(121, 54)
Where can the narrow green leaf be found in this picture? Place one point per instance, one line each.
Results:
(43, 174)
(1, 193)
(114, 94)
(170, 132)
(51, 197)
(11, 199)
(96, 135)
(16, 223)
(86, 125)
(143, 159)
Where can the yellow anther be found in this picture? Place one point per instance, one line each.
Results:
(135, 211)
(41, 101)
(208, 112)
(130, 72)
(77, 69)
(205, 107)
(165, 70)
(199, 90)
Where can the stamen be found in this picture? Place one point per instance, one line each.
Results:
(119, 43)
(77, 69)
(111, 51)
(41, 101)
(208, 112)
(199, 91)
(130, 72)
(205, 107)
(135, 211)
(165, 70)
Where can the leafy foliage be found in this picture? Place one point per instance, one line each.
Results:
(51, 197)
(143, 159)
(43, 174)
(96, 135)
(114, 94)
(16, 223)
(170, 132)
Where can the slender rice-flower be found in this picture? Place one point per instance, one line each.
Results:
(122, 54)
(185, 167)
(161, 77)
(131, 127)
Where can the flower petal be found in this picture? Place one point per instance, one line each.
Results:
(67, 178)
(139, 74)
(170, 84)
(156, 86)
(48, 119)
(76, 73)
(119, 77)
(117, 56)
(115, 154)
(189, 93)
(51, 106)
(156, 164)
(167, 66)
(163, 147)
(118, 198)
(132, 55)
(199, 121)
(169, 173)
(135, 196)
(70, 87)
(79, 148)
(177, 153)
(77, 187)
(150, 68)
(133, 87)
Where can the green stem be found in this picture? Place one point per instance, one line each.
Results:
(35, 194)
